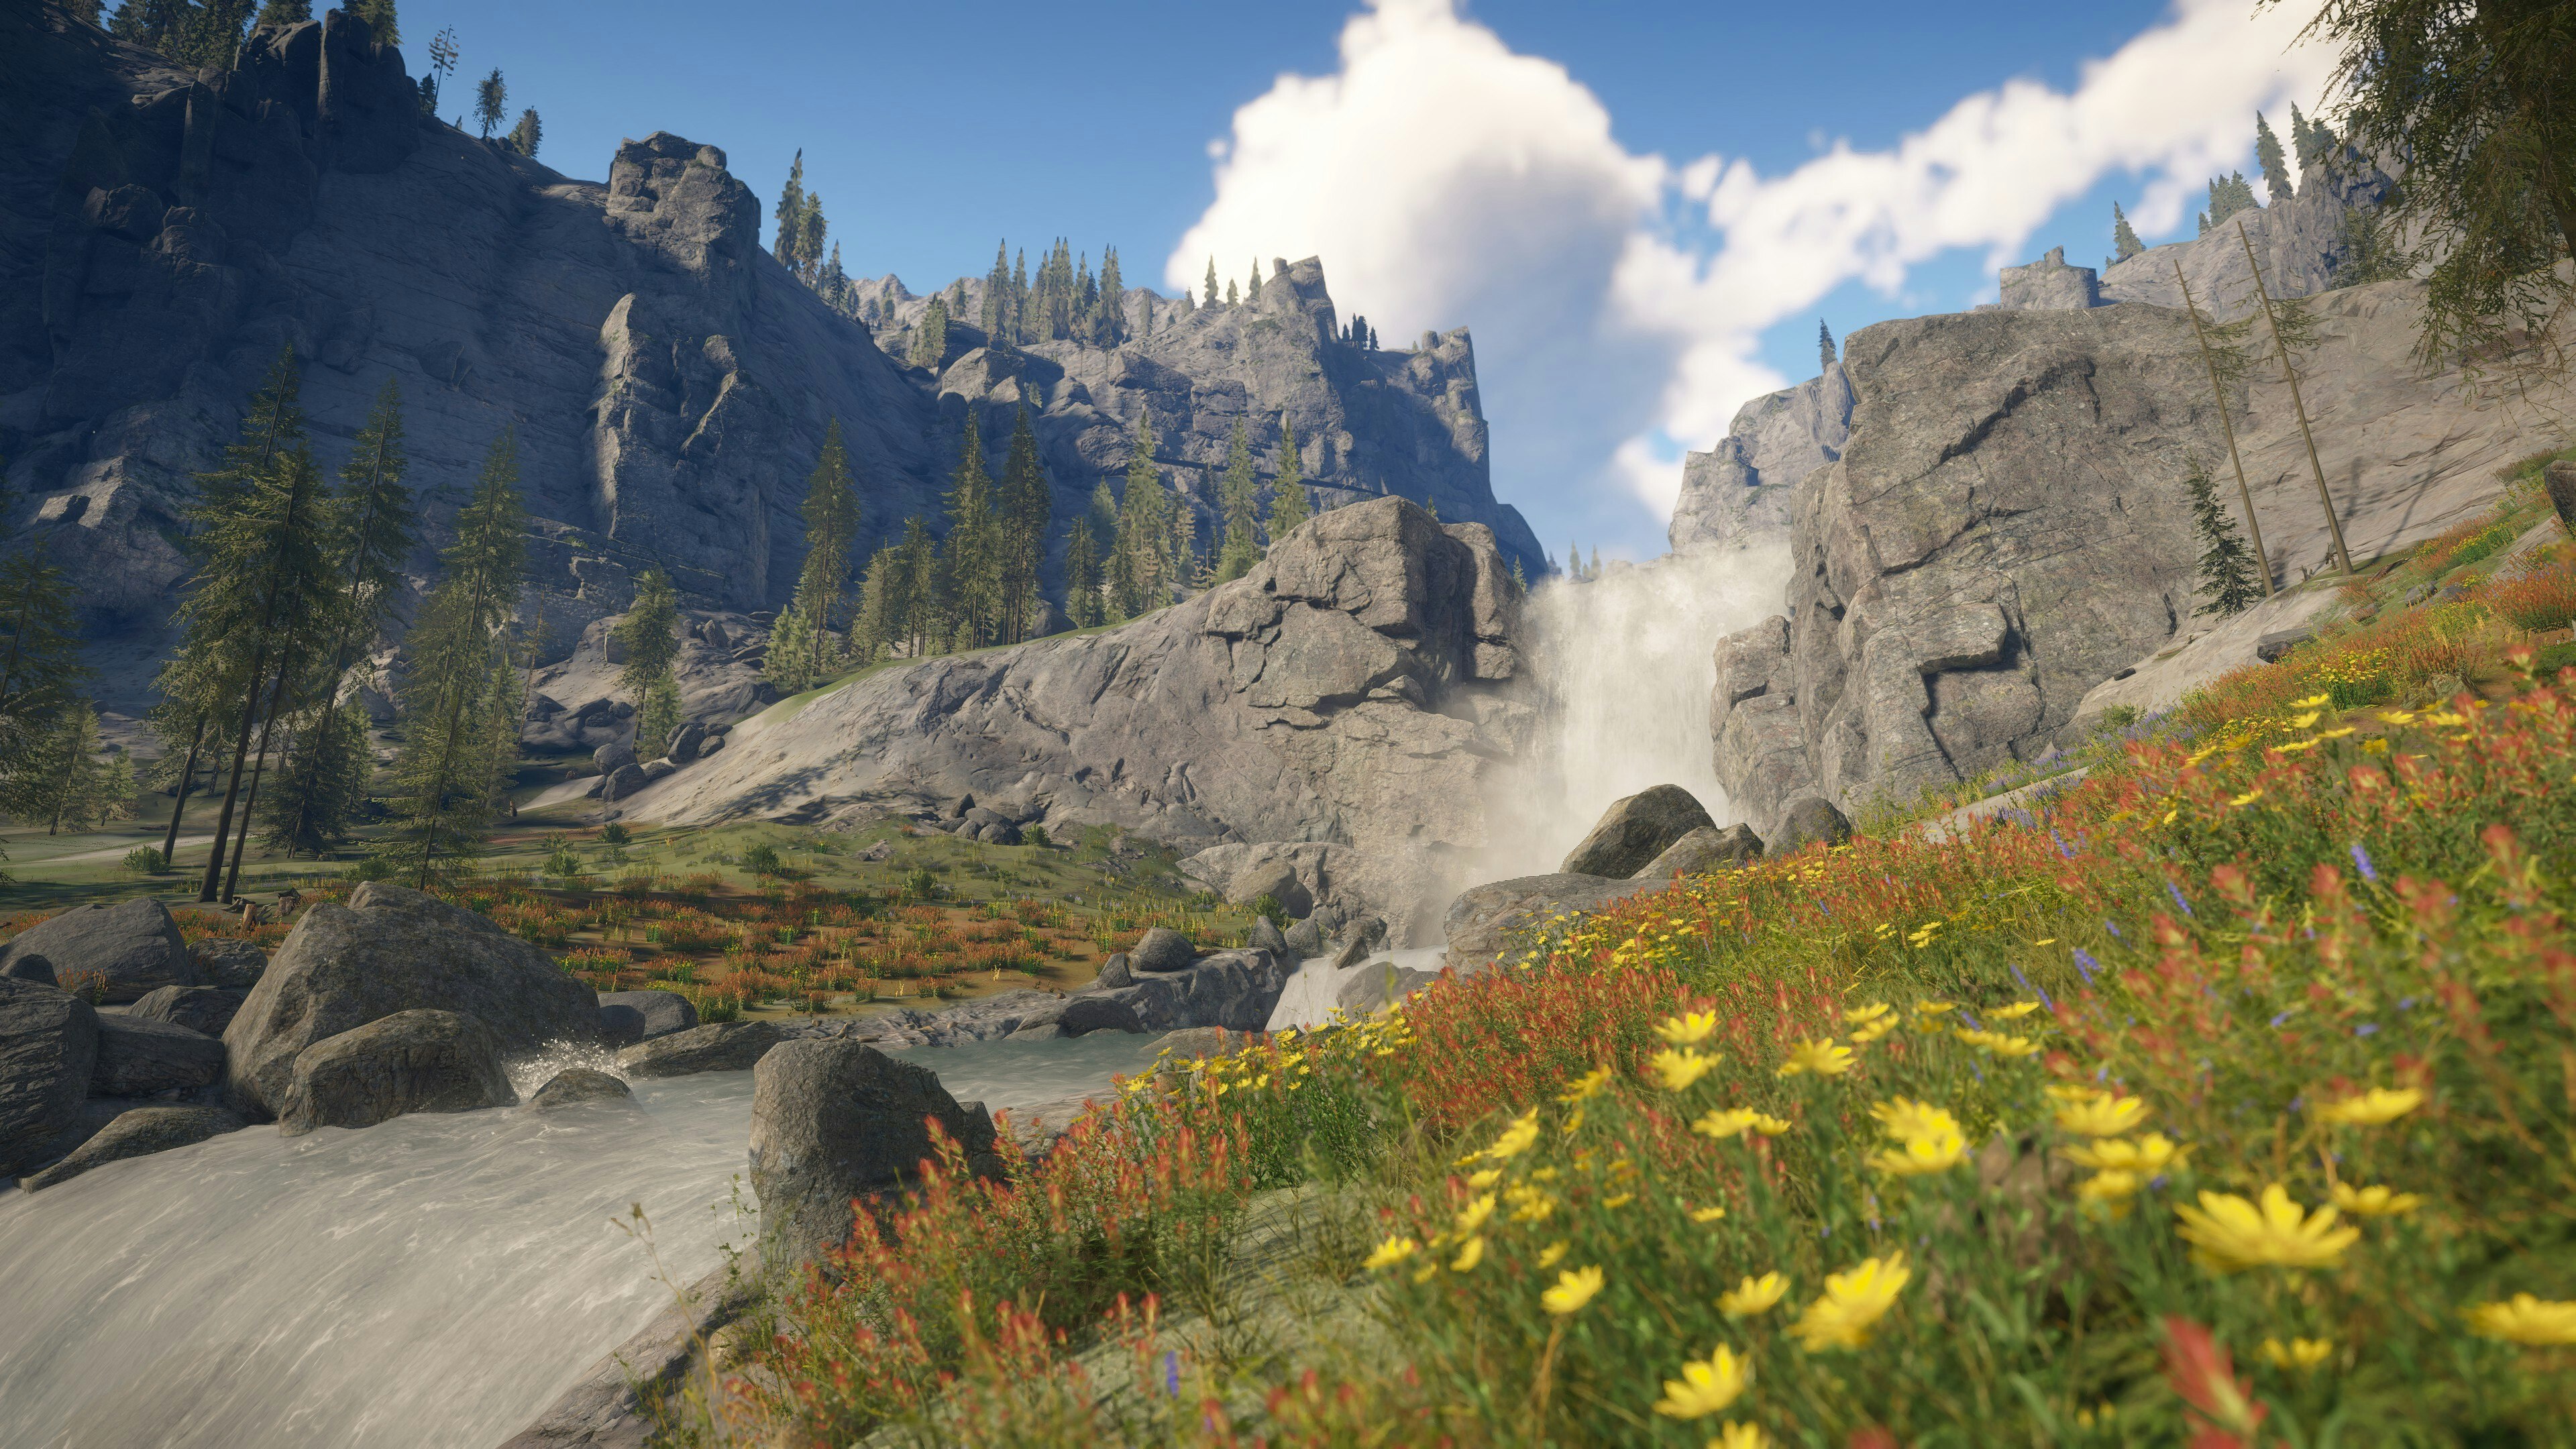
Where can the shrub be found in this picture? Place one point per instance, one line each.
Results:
(146, 860)
(615, 833)
(762, 860)
(2538, 600)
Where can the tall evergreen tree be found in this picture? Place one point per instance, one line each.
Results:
(379, 15)
(72, 785)
(40, 670)
(801, 651)
(491, 101)
(649, 636)
(1824, 347)
(973, 576)
(1211, 282)
(1141, 568)
(1231, 299)
(2228, 195)
(923, 623)
(930, 340)
(1252, 289)
(1110, 328)
(1024, 512)
(2309, 140)
(1288, 503)
(2124, 237)
(788, 216)
(2276, 167)
(997, 294)
(876, 624)
(1238, 502)
(525, 135)
(315, 805)
(1082, 601)
(442, 64)
(2226, 565)
(445, 772)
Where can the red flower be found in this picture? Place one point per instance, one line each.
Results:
(2199, 1369)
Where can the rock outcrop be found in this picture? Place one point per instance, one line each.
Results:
(121, 952)
(627, 1017)
(137, 1133)
(48, 1050)
(208, 1009)
(718, 1046)
(2305, 245)
(411, 1061)
(1484, 922)
(139, 1056)
(1745, 490)
(832, 1121)
(1356, 689)
(1635, 830)
(568, 1089)
(392, 949)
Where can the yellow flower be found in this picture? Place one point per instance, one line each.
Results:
(2537, 1322)
(1473, 1215)
(1585, 1086)
(1706, 1385)
(2248, 798)
(1676, 1070)
(2148, 1155)
(1706, 1215)
(1392, 1252)
(2045, 941)
(1740, 1436)
(1934, 1151)
(1688, 1029)
(1903, 1117)
(1516, 1137)
(2111, 1188)
(1486, 1178)
(1852, 1304)
(1820, 1056)
(2300, 722)
(1872, 1031)
(2014, 1012)
(1470, 1253)
(1999, 1043)
(1736, 1121)
(1619, 1200)
(1934, 1008)
(2100, 1114)
(1551, 1255)
(1574, 1288)
(1753, 1297)
(2229, 1234)
(2314, 701)
(1864, 1015)
(1427, 1272)
(2299, 1353)
(2373, 1108)
(2375, 1202)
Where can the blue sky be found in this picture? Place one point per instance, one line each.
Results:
(1605, 343)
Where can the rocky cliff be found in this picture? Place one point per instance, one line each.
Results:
(163, 234)
(2007, 526)
(1355, 692)
(1744, 491)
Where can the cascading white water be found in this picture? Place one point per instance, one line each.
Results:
(1628, 660)
(433, 1281)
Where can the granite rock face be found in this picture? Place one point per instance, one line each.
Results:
(411, 1061)
(1484, 922)
(1744, 491)
(2007, 528)
(2050, 285)
(207, 1009)
(2302, 243)
(124, 951)
(1356, 689)
(48, 1049)
(836, 1120)
(392, 949)
(139, 1056)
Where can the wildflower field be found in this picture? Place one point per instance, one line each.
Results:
(2227, 1105)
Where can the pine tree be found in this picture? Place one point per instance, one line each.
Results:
(1230, 298)
(442, 64)
(1252, 289)
(2228, 195)
(1024, 512)
(71, 792)
(283, 12)
(1020, 319)
(379, 15)
(1111, 328)
(444, 774)
(657, 717)
(930, 341)
(1183, 511)
(1288, 503)
(2226, 565)
(315, 805)
(1141, 568)
(491, 101)
(811, 231)
(1211, 282)
(40, 669)
(800, 644)
(525, 135)
(2276, 167)
(879, 622)
(1824, 346)
(997, 294)
(788, 217)
(649, 636)
(921, 572)
(2124, 237)
(973, 576)
(1238, 502)
(1082, 601)
(2311, 139)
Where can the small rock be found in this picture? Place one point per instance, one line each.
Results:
(1115, 973)
(127, 949)
(836, 1120)
(1306, 938)
(722, 1046)
(710, 745)
(1266, 937)
(1488, 919)
(1634, 830)
(658, 769)
(1043, 1031)
(612, 758)
(1378, 987)
(229, 963)
(627, 1017)
(1193, 1042)
(1086, 1014)
(208, 1009)
(1808, 820)
(2272, 647)
(1162, 949)
(1274, 878)
(578, 1085)
(140, 1055)
(685, 742)
(1703, 851)
(138, 1133)
(411, 1061)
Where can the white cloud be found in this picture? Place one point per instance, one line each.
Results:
(1445, 179)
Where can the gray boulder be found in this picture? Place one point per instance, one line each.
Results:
(392, 949)
(29, 968)
(627, 1017)
(623, 781)
(139, 1056)
(836, 1120)
(1266, 937)
(231, 964)
(126, 950)
(685, 742)
(1306, 938)
(138, 1133)
(657, 769)
(1373, 989)
(1162, 949)
(1037, 1031)
(208, 1009)
(1484, 922)
(1275, 877)
(410, 1061)
(1702, 851)
(1806, 822)
(1086, 1014)
(2560, 479)
(578, 1085)
(721, 1046)
(48, 1049)
(612, 758)
(1635, 830)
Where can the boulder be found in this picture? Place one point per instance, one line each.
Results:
(1306, 938)
(1162, 949)
(657, 769)
(208, 1009)
(1806, 821)
(126, 949)
(1038, 1031)
(722, 1046)
(138, 1133)
(232, 964)
(836, 1120)
(393, 949)
(576, 1086)
(1204, 1041)
(1635, 830)
(623, 781)
(1275, 877)
(685, 742)
(627, 1017)
(2560, 479)
(1702, 851)
(1114, 973)
(1485, 921)
(1233, 989)
(1266, 937)
(48, 1048)
(139, 1056)
(1375, 988)
(612, 758)
(411, 1061)
(1086, 1014)
(29, 968)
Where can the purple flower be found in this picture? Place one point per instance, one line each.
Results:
(2361, 862)
(2085, 963)
(2175, 891)
(1172, 1374)
(2114, 930)
(2033, 990)
(1973, 1023)
(2367, 1028)
(2276, 1021)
